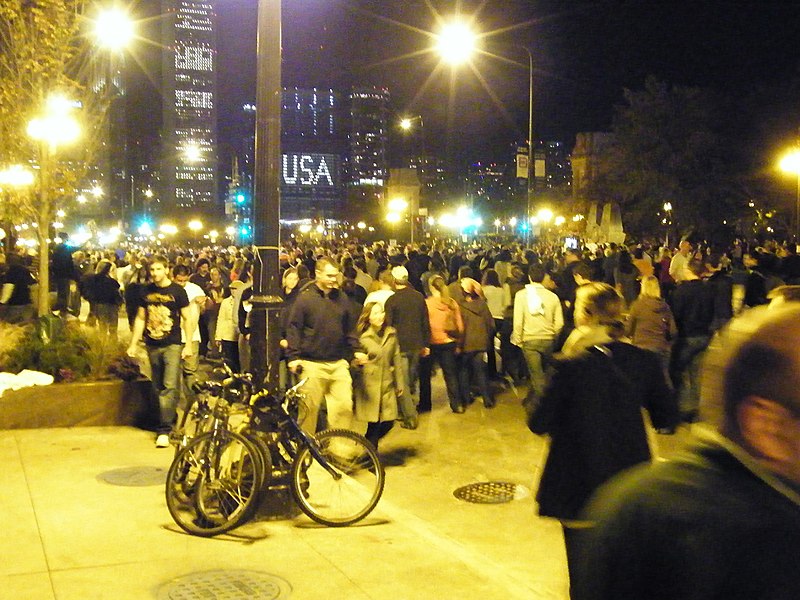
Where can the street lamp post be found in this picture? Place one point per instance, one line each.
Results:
(267, 302)
(54, 128)
(531, 158)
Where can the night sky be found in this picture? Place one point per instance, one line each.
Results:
(585, 54)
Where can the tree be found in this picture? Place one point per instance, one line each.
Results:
(42, 52)
(669, 146)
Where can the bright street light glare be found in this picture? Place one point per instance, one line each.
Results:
(148, 192)
(791, 162)
(195, 225)
(97, 191)
(16, 176)
(57, 126)
(393, 217)
(545, 215)
(397, 205)
(456, 43)
(82, 199)
(405, 124)
(113, 29)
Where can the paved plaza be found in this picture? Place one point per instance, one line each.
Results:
(84, 516)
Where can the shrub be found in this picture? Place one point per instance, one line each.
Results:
(73, 352)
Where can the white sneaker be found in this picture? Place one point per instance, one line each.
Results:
(162, 441)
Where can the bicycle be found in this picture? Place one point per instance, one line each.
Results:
(215, 481)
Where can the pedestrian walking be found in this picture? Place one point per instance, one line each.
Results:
(164, 315)
(447, 327)
(538, 319)
(591, 410)
(378, 381)
(321, 341)
(407, 313)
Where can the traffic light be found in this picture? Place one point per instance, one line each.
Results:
(240, 198)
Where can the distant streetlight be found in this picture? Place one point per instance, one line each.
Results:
(195, 225)
(559, 221)
(192, 152)
(790, 163)
(97, 191)
(497, 223)
(545, 215)
(667, 221)
(513, 221)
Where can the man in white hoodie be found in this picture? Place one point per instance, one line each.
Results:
(538, 319)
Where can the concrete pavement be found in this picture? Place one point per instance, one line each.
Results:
(71, 531)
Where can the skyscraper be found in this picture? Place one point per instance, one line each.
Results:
(189, 153)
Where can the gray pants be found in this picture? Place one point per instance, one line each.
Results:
(537, 353)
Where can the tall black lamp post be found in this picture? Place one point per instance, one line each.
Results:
(267, 302)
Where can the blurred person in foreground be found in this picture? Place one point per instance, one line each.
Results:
(723, 520)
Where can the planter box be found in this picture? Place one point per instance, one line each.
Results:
(80, 404)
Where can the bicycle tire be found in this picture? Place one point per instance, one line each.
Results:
(342, 501)
(214, 483)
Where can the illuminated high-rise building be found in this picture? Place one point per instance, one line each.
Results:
(189, 153)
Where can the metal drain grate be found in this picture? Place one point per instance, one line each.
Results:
(134, 476)
(225, 585)
(489, 492)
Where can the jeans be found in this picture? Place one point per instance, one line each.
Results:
(537, 354)
(189, 368)
(445, 355)
(165, 365)
(408, 400)
(472, 368)
(511, 355)
(685, 371)
(491, 355)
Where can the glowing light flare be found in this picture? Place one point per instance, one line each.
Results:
(545, 215)
(397, 205)
(82, 199)
(145, 229)
(195, 225)
(148, 193)
(97, 191)
(361, 225)
(405, 124)
(113, 29)
(16, 176)
(513, 221)
(230, 230)
(393, 217)
(559, 221)
(456, 43)
(304, 228)
(667, 206)
(168, 229)
(192, 152)
(790, 163)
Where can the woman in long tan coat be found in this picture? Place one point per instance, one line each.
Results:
(377, 383)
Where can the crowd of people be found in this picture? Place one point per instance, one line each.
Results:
(597, 333)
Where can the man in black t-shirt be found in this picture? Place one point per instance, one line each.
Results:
(163, 309)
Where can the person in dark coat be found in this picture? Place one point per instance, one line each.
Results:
(102, 292)
(721, 520)
(478, 330)
(592, 409)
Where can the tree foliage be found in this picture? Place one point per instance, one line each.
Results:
(669, 145)
(43, 51)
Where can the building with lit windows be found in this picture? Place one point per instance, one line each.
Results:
(189, 152)
(369, 112)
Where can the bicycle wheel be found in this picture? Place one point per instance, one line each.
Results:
(349, 490)
(214, 483)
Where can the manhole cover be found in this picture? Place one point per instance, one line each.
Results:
(225, 585)
(134, 476)
(490, 492)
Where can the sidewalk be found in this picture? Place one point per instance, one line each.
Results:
(70, 534)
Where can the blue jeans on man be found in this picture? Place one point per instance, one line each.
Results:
(687, 355)
(537, 354)
(165, 364)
